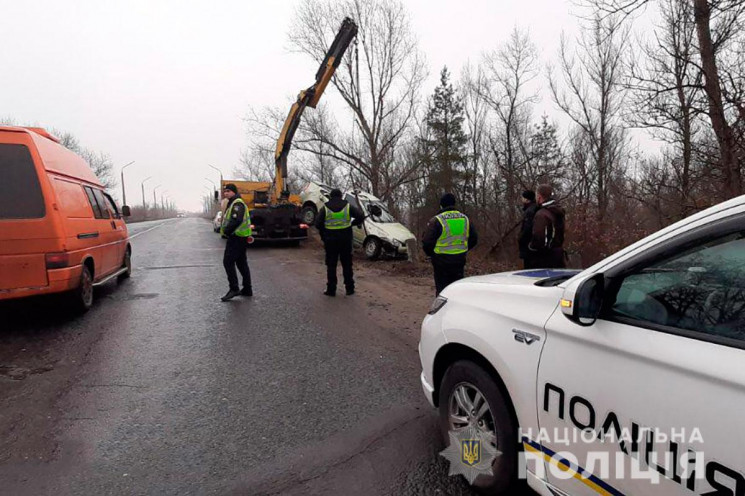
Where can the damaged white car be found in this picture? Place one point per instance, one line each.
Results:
(380, 235)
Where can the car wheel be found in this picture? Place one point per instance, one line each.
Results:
(308, 214)
(83, 294)
(372, 248)
(469, 396)
(127, 263)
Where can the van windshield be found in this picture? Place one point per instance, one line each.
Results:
(20, 191)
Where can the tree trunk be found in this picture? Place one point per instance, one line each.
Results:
(725, 137)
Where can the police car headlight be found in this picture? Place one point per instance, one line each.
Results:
(437, 305)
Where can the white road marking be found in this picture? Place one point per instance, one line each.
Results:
(148, 230)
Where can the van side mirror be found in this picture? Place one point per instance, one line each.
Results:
(126, 212)
(375, 210)
(583, 301)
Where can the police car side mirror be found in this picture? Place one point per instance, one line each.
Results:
(125, 211)
(375, 210)
(582, 300)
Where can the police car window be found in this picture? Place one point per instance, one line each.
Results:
(701, 289)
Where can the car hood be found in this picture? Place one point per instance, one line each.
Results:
(525, 298)
(390, 230)
(523, 277)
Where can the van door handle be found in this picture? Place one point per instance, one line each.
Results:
(88, 235)
(113, 224)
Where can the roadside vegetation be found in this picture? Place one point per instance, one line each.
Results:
(647, 128)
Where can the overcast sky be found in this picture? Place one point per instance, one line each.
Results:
(167, 83)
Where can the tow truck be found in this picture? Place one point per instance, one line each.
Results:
(275, 213)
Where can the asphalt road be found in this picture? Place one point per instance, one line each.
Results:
(163, 389)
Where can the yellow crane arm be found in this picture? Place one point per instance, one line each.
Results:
(309, 98)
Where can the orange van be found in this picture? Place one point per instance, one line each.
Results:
(59, 230)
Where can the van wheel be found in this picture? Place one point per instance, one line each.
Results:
(83, 294)
(127, 263)
(469, 396)
(372, 248)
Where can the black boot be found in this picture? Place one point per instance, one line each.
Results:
(247, 292)
(230, 295)
(330, 292)
(350, 291)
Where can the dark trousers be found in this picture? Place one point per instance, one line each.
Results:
(235, 256)
(446, 274)
(339, 250)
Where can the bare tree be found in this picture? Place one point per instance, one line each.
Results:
(505, 86)
(379, 80)
(667, 95)
(591, 96)
(716, 23)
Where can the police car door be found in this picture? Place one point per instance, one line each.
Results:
(650, 399)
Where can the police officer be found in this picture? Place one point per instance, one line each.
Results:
(334, 223)
(446, 241)
(236, 228)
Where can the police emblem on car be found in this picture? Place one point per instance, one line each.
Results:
(470, 454)
(525, 337)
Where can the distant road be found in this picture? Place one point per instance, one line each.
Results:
(163, 389)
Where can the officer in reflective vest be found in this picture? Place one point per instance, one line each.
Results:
(446, 241)
(334, 223)
(236, 228)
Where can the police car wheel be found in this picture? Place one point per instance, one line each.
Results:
(372, 248)
(466, 385)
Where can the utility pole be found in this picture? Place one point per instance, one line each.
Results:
(142, 185)
(155, 200)
(218, 170)
(124, 192)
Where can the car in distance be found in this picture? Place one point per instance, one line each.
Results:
(217, 221)
(625, 378)
(60, 232)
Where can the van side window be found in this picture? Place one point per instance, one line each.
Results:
(20, 191)
(112, 206)
(701, 290)
(97, 211)
(102, 203)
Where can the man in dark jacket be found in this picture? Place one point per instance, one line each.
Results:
(530, 207)
(334, 223)
(547, 243)
(236, 228)
(448, 238)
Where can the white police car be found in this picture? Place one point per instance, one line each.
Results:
(626, 378)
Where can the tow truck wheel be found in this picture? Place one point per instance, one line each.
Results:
(372, 248)
(469, 396)
(308, 214)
